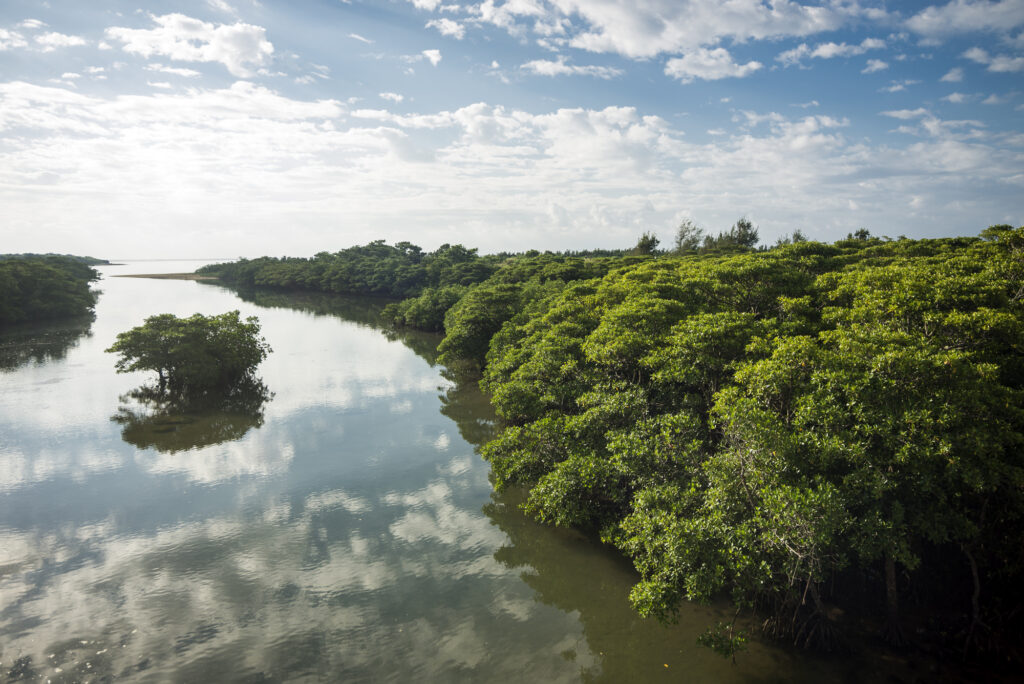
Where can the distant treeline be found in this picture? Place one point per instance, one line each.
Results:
(399, 271)
(34, 288)
(91, 261)
(831, 435)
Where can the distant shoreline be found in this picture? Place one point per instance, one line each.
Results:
(168, 276)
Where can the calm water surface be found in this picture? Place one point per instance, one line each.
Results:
(339, 527)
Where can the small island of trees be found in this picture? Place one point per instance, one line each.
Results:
(195, 355)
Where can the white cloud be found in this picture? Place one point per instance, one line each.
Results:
(393, 97)
(956, 98)
(964, 16)
(828, 50)
(1006, 64)
(998, 63)
(213, 159)
(976, 54)
(432, 56)
(831, 50)
(356, 36)
(874, 65)
(429, 5)
(53, 40)
(794, 55)
(177, 71)
(239, 47)
(954, 75)
(222, 6)
(33, 24)
(709, 65)
(905, 114)
(647, 28)
(543, 67)
(68, 75)
(899, 86)
(10, 40)
(447, 27)
(994, 99)
(159, 84)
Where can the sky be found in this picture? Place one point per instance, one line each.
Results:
(227, 128)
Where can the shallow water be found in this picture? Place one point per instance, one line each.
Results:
(338, 527)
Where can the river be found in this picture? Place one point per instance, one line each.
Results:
(338, 527)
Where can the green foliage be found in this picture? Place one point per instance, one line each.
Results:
(754, 423)
(401, 270)
(45, 287)
(193, 355)
(425, 312)
(475, 318)
(647, 244)
(689, 237)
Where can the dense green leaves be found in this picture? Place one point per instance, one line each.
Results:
(45, 287)
(754, 424)
(193, 355)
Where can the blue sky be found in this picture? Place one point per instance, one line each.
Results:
(227, 128)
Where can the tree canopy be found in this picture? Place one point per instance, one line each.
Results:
(193, 355)
(757, 424)
(36, 288)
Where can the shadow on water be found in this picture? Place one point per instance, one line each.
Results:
(41, 342)
(150, 418)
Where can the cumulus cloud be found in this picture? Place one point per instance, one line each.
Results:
(248, 156)
(559, 67)
(899, 86)
(10, 40)
(828, 50)
(956, 98)
(239, 47)
(393, 97)
(995, 63)
(53, 40)
(905, 114)
(646, 28)
(447, 27)
(432, 56)
(874, 65)
(964, 16)
(708, 65)
(221, 6)
(954, 75)
(177, 71)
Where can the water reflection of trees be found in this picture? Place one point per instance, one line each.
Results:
(364, 311)
(576, 574)
(461, 400)
(173, 422)
(465, 404)
(41, 342)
